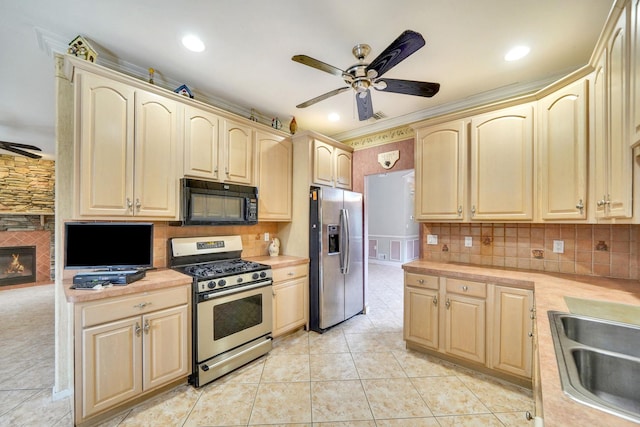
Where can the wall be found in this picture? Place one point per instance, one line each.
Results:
(365, 161)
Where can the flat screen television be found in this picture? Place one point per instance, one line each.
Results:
(108, 245)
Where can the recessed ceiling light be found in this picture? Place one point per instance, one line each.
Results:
(517, 53)
(193, 43)
(334, 117)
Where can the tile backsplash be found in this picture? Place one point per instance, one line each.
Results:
(589, 249)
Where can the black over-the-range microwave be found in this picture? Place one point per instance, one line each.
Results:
(216, 203)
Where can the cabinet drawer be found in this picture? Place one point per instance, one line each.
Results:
(421, 280)
(465, 287)
(288, 273)
(111, 309)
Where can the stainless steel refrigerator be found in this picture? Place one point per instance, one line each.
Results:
(336, 276)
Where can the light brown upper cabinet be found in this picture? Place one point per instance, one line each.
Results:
(128, 145)
(635, 72)
(237, 152)
(201, 143)
(562, 153)
(501, 164)
(331, 165)
(440, 165)
(275, 177)
(613, 162)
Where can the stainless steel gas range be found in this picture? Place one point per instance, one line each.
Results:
(231, 304)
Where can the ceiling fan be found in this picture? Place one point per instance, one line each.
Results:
(363, 76)
(14, 147)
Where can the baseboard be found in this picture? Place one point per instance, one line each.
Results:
(62, 394)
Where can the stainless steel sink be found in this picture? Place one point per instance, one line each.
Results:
(599, 362)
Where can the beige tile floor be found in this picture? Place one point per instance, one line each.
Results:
(356, 374)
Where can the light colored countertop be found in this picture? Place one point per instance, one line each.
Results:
(550, 291)
(279, 261)
(154, 279)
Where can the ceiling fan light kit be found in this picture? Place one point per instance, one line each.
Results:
(362, 76)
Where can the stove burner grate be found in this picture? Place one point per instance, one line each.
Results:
(223, 268)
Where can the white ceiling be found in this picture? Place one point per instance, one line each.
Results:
(249, 44)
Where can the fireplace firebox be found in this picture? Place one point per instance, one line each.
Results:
(17, 265)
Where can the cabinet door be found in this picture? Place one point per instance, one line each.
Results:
(635, 72)
(599, 136)
(343, 160)
(165, 346)
(323, 173)
(619, 172)
(105, 159)
(440, 171)
(275, 177)
(156, 157)
(201, 133)
(562, 145)
(111, 359)
(289, 305)
(502, 165)
(238, 153)
(512, 328)
(421, 316)
(465, 327)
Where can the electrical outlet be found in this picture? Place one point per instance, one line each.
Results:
(558, 246)
(266, 237)
(432, 239)
(468, 241)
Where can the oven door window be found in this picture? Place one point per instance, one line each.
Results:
(208, 207)
(235, 316)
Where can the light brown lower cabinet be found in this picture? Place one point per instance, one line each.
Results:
(290, 298)
(486, 324)
(128, 346)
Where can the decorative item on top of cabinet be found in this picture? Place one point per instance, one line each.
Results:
(562, 148)
(128, 145)
(613, 161)
(503, 137)
(275, 177)
(441, 171)
(290, 298)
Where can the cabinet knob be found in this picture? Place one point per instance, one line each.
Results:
(421, 281)
(146, 326)
(137, 329)
(460, 210)
(465, 288)
(530, 334)
(473, 210)
(435, 300)
(448, 303)
(129, 203)
(290, 273)
(580, 205)
(138, 204)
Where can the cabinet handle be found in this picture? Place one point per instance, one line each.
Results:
(421, 281)
(138, 204)
(137, 329)
(580, 205)
(435, 300)
(142, 305)
(465, 288)
(291, 273)
(146, 326)
(528, 416)
(473, 210)
(460, 210)
(604, 201)
(129, 204)
(448, 303)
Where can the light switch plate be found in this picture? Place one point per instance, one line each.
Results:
(468, 241)
(558, 246)
(266, 237)
(432, 239)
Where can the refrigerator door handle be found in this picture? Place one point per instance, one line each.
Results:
(345, 259)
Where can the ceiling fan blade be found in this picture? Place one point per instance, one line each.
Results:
(19, 151)
(365, 106)
(311, 62)
(15, 144)
(409, 87)
(321, 97)
(406, 44)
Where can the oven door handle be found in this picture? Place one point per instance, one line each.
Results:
(237, 290)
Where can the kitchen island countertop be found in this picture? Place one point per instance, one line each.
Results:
(550, 290)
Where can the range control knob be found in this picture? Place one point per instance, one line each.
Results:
(263, 274)
(211, 284)
(205, 368)
(239, 280)
(222, 282)
(255, 276)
